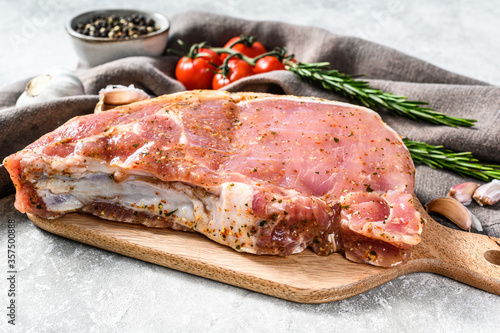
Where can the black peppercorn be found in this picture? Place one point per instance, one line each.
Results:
(117, 27)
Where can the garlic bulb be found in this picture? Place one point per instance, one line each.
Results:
(55, 83)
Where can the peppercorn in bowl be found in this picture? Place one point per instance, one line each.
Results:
(100, 36)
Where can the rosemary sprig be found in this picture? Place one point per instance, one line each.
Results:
(361, 92)
(463, 163)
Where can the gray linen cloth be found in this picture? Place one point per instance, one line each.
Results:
(383, 67)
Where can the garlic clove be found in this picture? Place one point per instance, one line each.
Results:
(100, 107)
(463, 192)
(475, 222)
(116, 95)
(488, 194)
(122, 95)
(454, 211)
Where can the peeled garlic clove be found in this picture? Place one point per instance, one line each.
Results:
(488, 194)
(463, 192)
(121, 95)
(454, 211)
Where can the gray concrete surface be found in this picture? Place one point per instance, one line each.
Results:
(64, 286)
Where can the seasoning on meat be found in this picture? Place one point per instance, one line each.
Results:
(260, 173)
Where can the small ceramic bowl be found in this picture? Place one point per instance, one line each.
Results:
(94, 51)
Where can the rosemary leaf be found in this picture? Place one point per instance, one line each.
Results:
(463, 163)
(360, 91)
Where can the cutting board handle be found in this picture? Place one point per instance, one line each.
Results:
(467, 257)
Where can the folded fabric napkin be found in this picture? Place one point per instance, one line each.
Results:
(384, 68)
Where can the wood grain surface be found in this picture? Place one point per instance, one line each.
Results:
(306, 278)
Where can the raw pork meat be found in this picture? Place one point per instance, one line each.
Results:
(260, 173)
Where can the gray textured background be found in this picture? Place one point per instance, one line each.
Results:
(65, 286)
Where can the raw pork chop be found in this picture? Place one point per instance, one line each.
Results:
(260, 173)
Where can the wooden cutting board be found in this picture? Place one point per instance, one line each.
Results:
(306, 278)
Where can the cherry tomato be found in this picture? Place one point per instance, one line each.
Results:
(268, 64)
(237, 69)
(198, 72)
(212, 56)
(250, 51)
